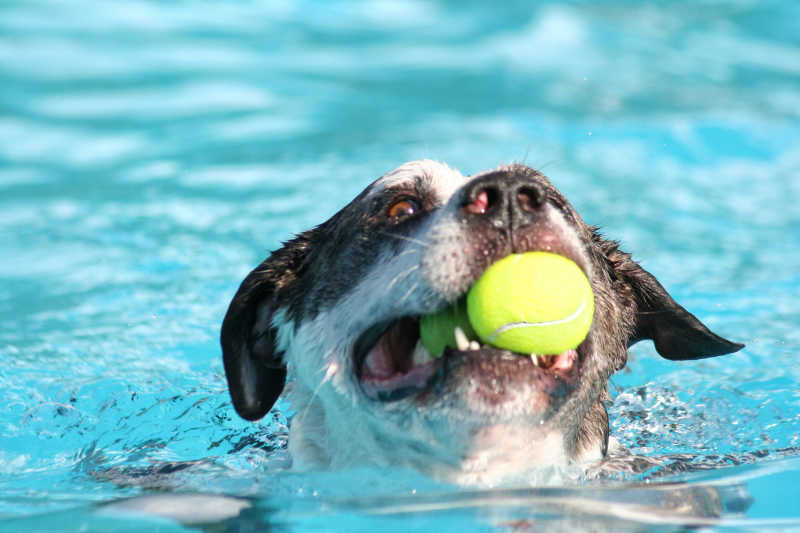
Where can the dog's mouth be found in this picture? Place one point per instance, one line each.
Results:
(392, 363)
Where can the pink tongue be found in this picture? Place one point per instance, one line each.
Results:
(379, 363)
(565, 360)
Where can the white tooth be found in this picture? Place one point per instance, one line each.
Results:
(421, 354)
(462, 342)
(535, 359)
(474, 346)
(565, 360)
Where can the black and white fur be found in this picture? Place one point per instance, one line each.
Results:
(318, 305)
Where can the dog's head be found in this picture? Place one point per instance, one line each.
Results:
(340, 306)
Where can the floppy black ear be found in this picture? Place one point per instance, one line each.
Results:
(255, 370)
(677, 334)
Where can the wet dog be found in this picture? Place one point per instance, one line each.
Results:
(339, 305)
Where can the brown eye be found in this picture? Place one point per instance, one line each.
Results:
(402, 209)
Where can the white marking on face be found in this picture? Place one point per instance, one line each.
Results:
(444, 270)
(324, 346)
(437, 177)
(315, 350)
(503, 453)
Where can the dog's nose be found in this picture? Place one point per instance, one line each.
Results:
(504, 200)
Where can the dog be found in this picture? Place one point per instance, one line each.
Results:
(338, 306)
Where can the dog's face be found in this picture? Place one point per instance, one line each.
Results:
(340, 305)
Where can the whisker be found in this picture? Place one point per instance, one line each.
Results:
(332, 369)
(408, 294)
(401, 276)
(401, 254)
(404, 238)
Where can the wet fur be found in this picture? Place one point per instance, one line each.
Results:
(305, 307)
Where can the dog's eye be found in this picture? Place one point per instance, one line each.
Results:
(403, 208)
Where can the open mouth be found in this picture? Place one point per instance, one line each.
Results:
(392, 363)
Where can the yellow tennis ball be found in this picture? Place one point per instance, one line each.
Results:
(436, 331)
(536, 302)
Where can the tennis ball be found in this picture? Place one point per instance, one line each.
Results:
(536, 302)
(436, 330)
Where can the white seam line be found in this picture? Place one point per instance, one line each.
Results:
(513, 325)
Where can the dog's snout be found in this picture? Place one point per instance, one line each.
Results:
(484, 199)
(504, 200)
(530, 197)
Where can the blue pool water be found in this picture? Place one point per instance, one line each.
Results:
(151, 153)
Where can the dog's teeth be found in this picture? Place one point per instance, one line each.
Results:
(421, 354)
(474, 346)
(535, 359)
(462, 342)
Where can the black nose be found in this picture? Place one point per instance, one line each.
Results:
(504, 200)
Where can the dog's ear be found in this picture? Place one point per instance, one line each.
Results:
(677, 334)
(255, 369)
(254, 366)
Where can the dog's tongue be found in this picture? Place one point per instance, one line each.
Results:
(391, 370)
(379, 363)
(391, 354)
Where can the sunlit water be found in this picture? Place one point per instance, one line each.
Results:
(152, 153)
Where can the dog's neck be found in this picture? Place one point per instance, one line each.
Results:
(491, 455)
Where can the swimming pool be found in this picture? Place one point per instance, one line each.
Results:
(151, 153)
